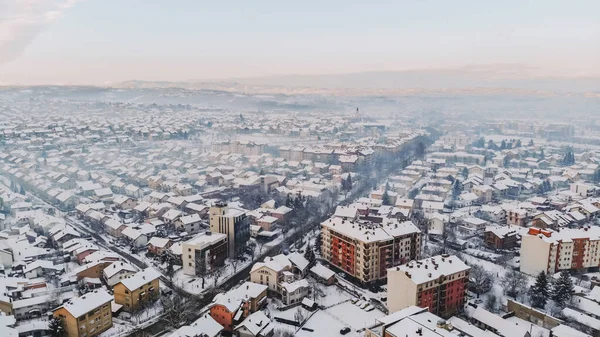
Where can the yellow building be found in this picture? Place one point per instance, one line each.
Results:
(86, 316)
(138, 289)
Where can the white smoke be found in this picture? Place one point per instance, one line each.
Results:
(22, 20)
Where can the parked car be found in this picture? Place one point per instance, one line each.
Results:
(344, 330)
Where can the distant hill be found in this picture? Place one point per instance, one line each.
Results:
(496, 79)
(506, 76)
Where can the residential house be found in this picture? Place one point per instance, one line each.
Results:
(140, 288)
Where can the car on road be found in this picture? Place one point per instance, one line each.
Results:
(342, 275)
(344, 330)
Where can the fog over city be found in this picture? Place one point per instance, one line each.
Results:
(269, 169)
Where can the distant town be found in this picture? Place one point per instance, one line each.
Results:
(180, 220)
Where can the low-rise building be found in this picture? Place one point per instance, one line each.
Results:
(86, 316)
(142, 287)
(230, 308)
(501, 237)
(117, 271)
(416, 321)
(282, 275)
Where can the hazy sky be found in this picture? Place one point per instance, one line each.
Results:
(104, 41)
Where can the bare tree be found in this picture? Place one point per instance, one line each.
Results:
(201, 268)
(251, 246)
(239, 256)
(480, 280)
(514, 283)
(178, 310)
(261, 245)
(283, 333)
(299, 316)
(317, 289)
(216, 274)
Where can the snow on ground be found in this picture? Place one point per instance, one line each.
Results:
(119, 328)
(482, 254)
(142, 316)
(193, 284)
(324, 324)
(498, 273)
(333, 295)
(353, 316)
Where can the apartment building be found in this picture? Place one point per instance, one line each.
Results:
(365, 250)
(232, 222)
(204, 252)
(438, 283)
(142, 287)
(554, 250)
(86, 316)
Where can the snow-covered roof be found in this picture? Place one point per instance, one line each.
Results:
(322, 271)
(276, 263)
(431, 269)
(346, 212)
(566, 331)
(502, 231)
(79, 306)
(189, 219)
(370, 233)
(117, 267)
(298, 260)
(503, 326)
(140, 278)
(206, 324)
(291, 287)
(257, 323)
(566, 234)
(172, 214)
(159, 242)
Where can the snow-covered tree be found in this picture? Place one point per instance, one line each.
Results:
(386, 198)
(540, 291)
(55, 327)
(562, 290)
(491, 303)
(309, 255)
(318, 242)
